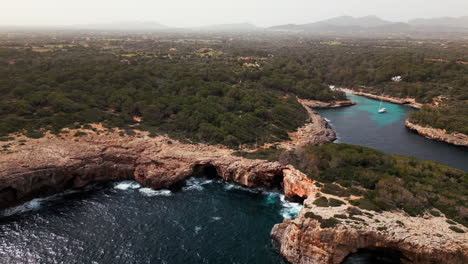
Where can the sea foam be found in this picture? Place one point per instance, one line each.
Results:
(150, 192)
(290, 209)
(196, 184)
(126, 185)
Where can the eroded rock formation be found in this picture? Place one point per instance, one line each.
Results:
(333, 104)
(327, 235)
(50, 165)
(457, 139)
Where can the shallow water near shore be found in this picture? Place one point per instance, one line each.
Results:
(361, 124)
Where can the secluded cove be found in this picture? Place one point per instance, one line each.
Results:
(361, 124)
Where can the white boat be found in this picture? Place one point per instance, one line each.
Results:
(382, 109)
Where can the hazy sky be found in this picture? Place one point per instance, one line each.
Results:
(203, 12)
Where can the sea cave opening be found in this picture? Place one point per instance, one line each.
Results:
(375, 255)
(205, 171)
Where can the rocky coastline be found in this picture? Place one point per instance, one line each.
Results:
(45, 166)
(327, 235)
(395, 100)
(457, 139)
(41, 167)
(325, 105)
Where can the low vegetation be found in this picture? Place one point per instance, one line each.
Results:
(212, 100)
(384, 182)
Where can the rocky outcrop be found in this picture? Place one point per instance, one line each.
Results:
(316, 131)
(457, 139)
(327, 235)
(395, 100)
(325, 105)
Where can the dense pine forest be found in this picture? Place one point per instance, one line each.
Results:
(230, 90)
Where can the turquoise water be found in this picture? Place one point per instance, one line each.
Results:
(361, 124)
(394, 112)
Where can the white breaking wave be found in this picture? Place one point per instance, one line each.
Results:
(126, 185)
(234, 186)
(36, 204)
(32, 205)
(196, 184)
(150, 192)
(290, 209)
(216, 218)
(326, 119)
(197, 229)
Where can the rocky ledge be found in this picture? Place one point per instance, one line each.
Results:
(457, 139)
(327, 235)
(395, 100)
(333, 104)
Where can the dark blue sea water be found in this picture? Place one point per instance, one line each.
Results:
(204, 222)
(361, 124)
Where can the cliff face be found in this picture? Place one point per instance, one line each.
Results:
(457, 139)
(327, 235)
(47, 166)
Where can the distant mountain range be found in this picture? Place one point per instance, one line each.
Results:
(337, 26)
(441, 21)
(375, 24)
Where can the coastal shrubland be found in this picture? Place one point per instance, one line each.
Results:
(382, 181)
(238, 93)
(201, 99)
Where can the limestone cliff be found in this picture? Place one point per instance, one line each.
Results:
(457, 139)
(327, 235)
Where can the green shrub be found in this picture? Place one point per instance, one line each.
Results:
(456, 229)
(382, 228)
(451, 222)
(80, 134)
(335, 202)
(6, 138)
(353, 211)
(334, 189)
(321, 202)
(34, 134)
(434, 212)
(365, 204)
(342, 216)
(329, 223)
(355, 218)
(400, 223)
(313, 216)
